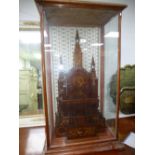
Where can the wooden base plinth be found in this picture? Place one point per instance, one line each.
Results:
(84, 149)
(104, 141)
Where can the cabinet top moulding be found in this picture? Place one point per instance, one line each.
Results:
(65, 13)
(81, 4)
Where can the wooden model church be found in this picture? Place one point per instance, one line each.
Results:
(78, 115)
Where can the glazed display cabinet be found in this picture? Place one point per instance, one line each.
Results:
(81, 45)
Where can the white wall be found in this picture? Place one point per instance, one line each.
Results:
(28, 11)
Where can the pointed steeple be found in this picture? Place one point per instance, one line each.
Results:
(92, 63)
(77, 58)
(77, 38)
(93, 71)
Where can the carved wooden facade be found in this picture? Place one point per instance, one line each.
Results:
(78, 115)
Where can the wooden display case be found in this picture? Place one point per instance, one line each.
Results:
(81, 46)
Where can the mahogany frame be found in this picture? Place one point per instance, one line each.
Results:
(44, 75)
(118, 72)
(102, 71)
(62, 3)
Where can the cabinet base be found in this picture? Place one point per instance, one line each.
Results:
(83, 149)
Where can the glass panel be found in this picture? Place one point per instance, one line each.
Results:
(110, 71)
(80, 83)
(30, 79)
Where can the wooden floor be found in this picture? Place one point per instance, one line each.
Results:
(32, 139)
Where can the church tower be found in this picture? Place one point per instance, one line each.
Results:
(78, 115)
(77, 57)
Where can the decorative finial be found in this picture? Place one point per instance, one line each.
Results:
(93, 62)
(93, 72)
(77, 38)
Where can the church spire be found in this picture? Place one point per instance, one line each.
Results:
(92, 63)
(93, 71)
(77, 38)
(77, 59)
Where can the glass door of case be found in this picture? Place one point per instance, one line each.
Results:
(80, 54)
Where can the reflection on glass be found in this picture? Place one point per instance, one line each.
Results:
(30, 83)
(110, 68)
